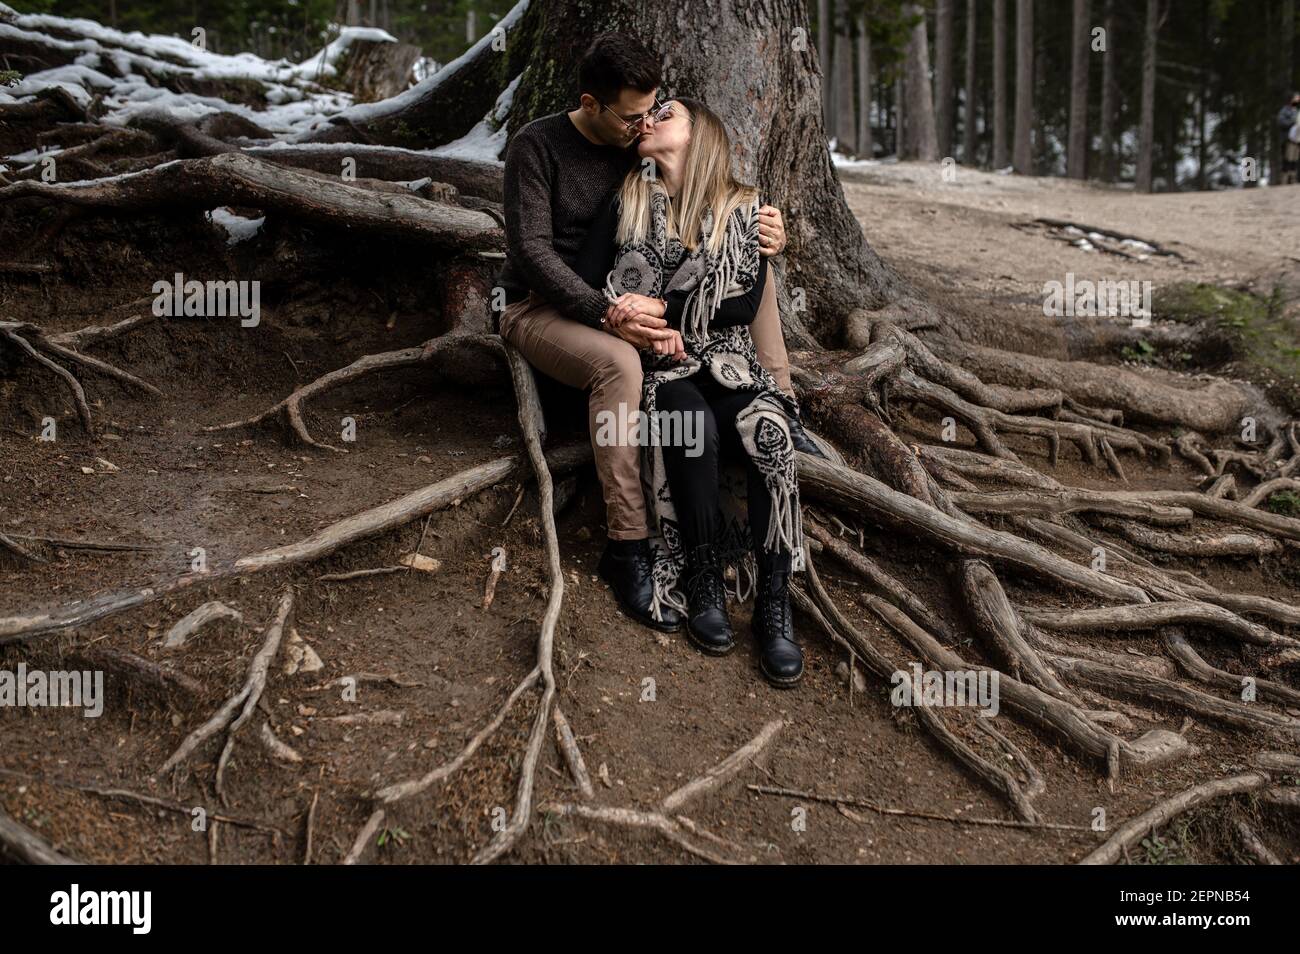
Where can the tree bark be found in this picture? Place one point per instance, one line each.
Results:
(770, 101)
(968, 116)
(919, 138)
(866, 143)
(1023, 157)
(1147, 130)
(1001, 158)
(1109, 98)
(944, 45)
(1077, 149)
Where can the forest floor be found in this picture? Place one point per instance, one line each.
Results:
(968, 245)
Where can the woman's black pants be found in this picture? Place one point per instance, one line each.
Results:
(693, 481)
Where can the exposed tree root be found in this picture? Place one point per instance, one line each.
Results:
(238, 179)
(26, 847)
(368, 523)
(291, 407)
(1133, 830)
(244, 701)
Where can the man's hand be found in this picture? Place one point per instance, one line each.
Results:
(771, 231)
(631, 305)
(643, 331)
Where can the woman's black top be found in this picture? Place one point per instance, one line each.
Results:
(596, 258)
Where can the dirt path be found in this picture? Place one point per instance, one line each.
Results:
(649, 712)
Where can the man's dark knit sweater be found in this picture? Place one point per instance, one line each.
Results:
(556, 183)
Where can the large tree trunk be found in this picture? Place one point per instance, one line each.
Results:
(1023, 157)
(866, 144)
(919, 140)
(842, 73)
(944, 46)
(1001, 158)
(770, 100)
(824, 59)
(1147, 131)
(968, 116)
(1109, 98)
(1077, 150)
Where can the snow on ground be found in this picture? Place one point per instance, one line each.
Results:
(485, 141)
(365, 112)
(238, 228)
(124, 70)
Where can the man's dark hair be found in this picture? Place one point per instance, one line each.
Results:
(616, 60)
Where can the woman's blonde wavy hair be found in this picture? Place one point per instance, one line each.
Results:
(707, 183)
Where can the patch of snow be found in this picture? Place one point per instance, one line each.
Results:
(485, 141)
(365, 112)
(238, 228)
(325, 63)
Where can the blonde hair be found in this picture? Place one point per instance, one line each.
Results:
(707, 183)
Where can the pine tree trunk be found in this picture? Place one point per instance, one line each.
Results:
(968, 115)
(1001, 158)
(1109, 97)
(842, 71)
(944, 46)
(1286, 80)
(824, 58)
(919, 139)
(866, 144)
(1077, 149)
(1147, 130)
(768, 93)
(1023, 158)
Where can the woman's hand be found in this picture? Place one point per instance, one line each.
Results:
(632, 305)
(673, 347)
(771, 231)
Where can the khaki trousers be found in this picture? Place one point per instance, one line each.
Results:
(609, 369)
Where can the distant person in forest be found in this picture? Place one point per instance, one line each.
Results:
(558, 172)
(1288, 121)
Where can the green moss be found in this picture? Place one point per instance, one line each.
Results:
(1262, 338)
(1285, 502)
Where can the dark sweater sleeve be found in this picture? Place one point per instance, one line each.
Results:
(528, 187)
(739, 310)
(596, 257)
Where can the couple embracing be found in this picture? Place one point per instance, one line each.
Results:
(637, 271)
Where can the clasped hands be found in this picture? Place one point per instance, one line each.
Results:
(639, 320)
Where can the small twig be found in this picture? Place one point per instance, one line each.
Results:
(908, 813)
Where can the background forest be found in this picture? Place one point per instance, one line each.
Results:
(1222, 70)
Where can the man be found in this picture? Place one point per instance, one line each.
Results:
(1288, 123)
(559, 170)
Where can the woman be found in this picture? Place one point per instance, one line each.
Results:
(685, 248)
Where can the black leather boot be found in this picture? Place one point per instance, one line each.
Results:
(779, 657)
(625, 566)
(802, 442)
(707, 624)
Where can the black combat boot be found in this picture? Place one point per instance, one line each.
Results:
(802, 442)
(707, 624)
(779, 656)
(626, 567)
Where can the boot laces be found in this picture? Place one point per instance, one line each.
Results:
(774, 607)
(704, 587)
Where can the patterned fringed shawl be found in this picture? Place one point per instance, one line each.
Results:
(659, 265)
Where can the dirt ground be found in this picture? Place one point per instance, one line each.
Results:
(648, 710)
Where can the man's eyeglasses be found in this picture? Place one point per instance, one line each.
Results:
(658, 114)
